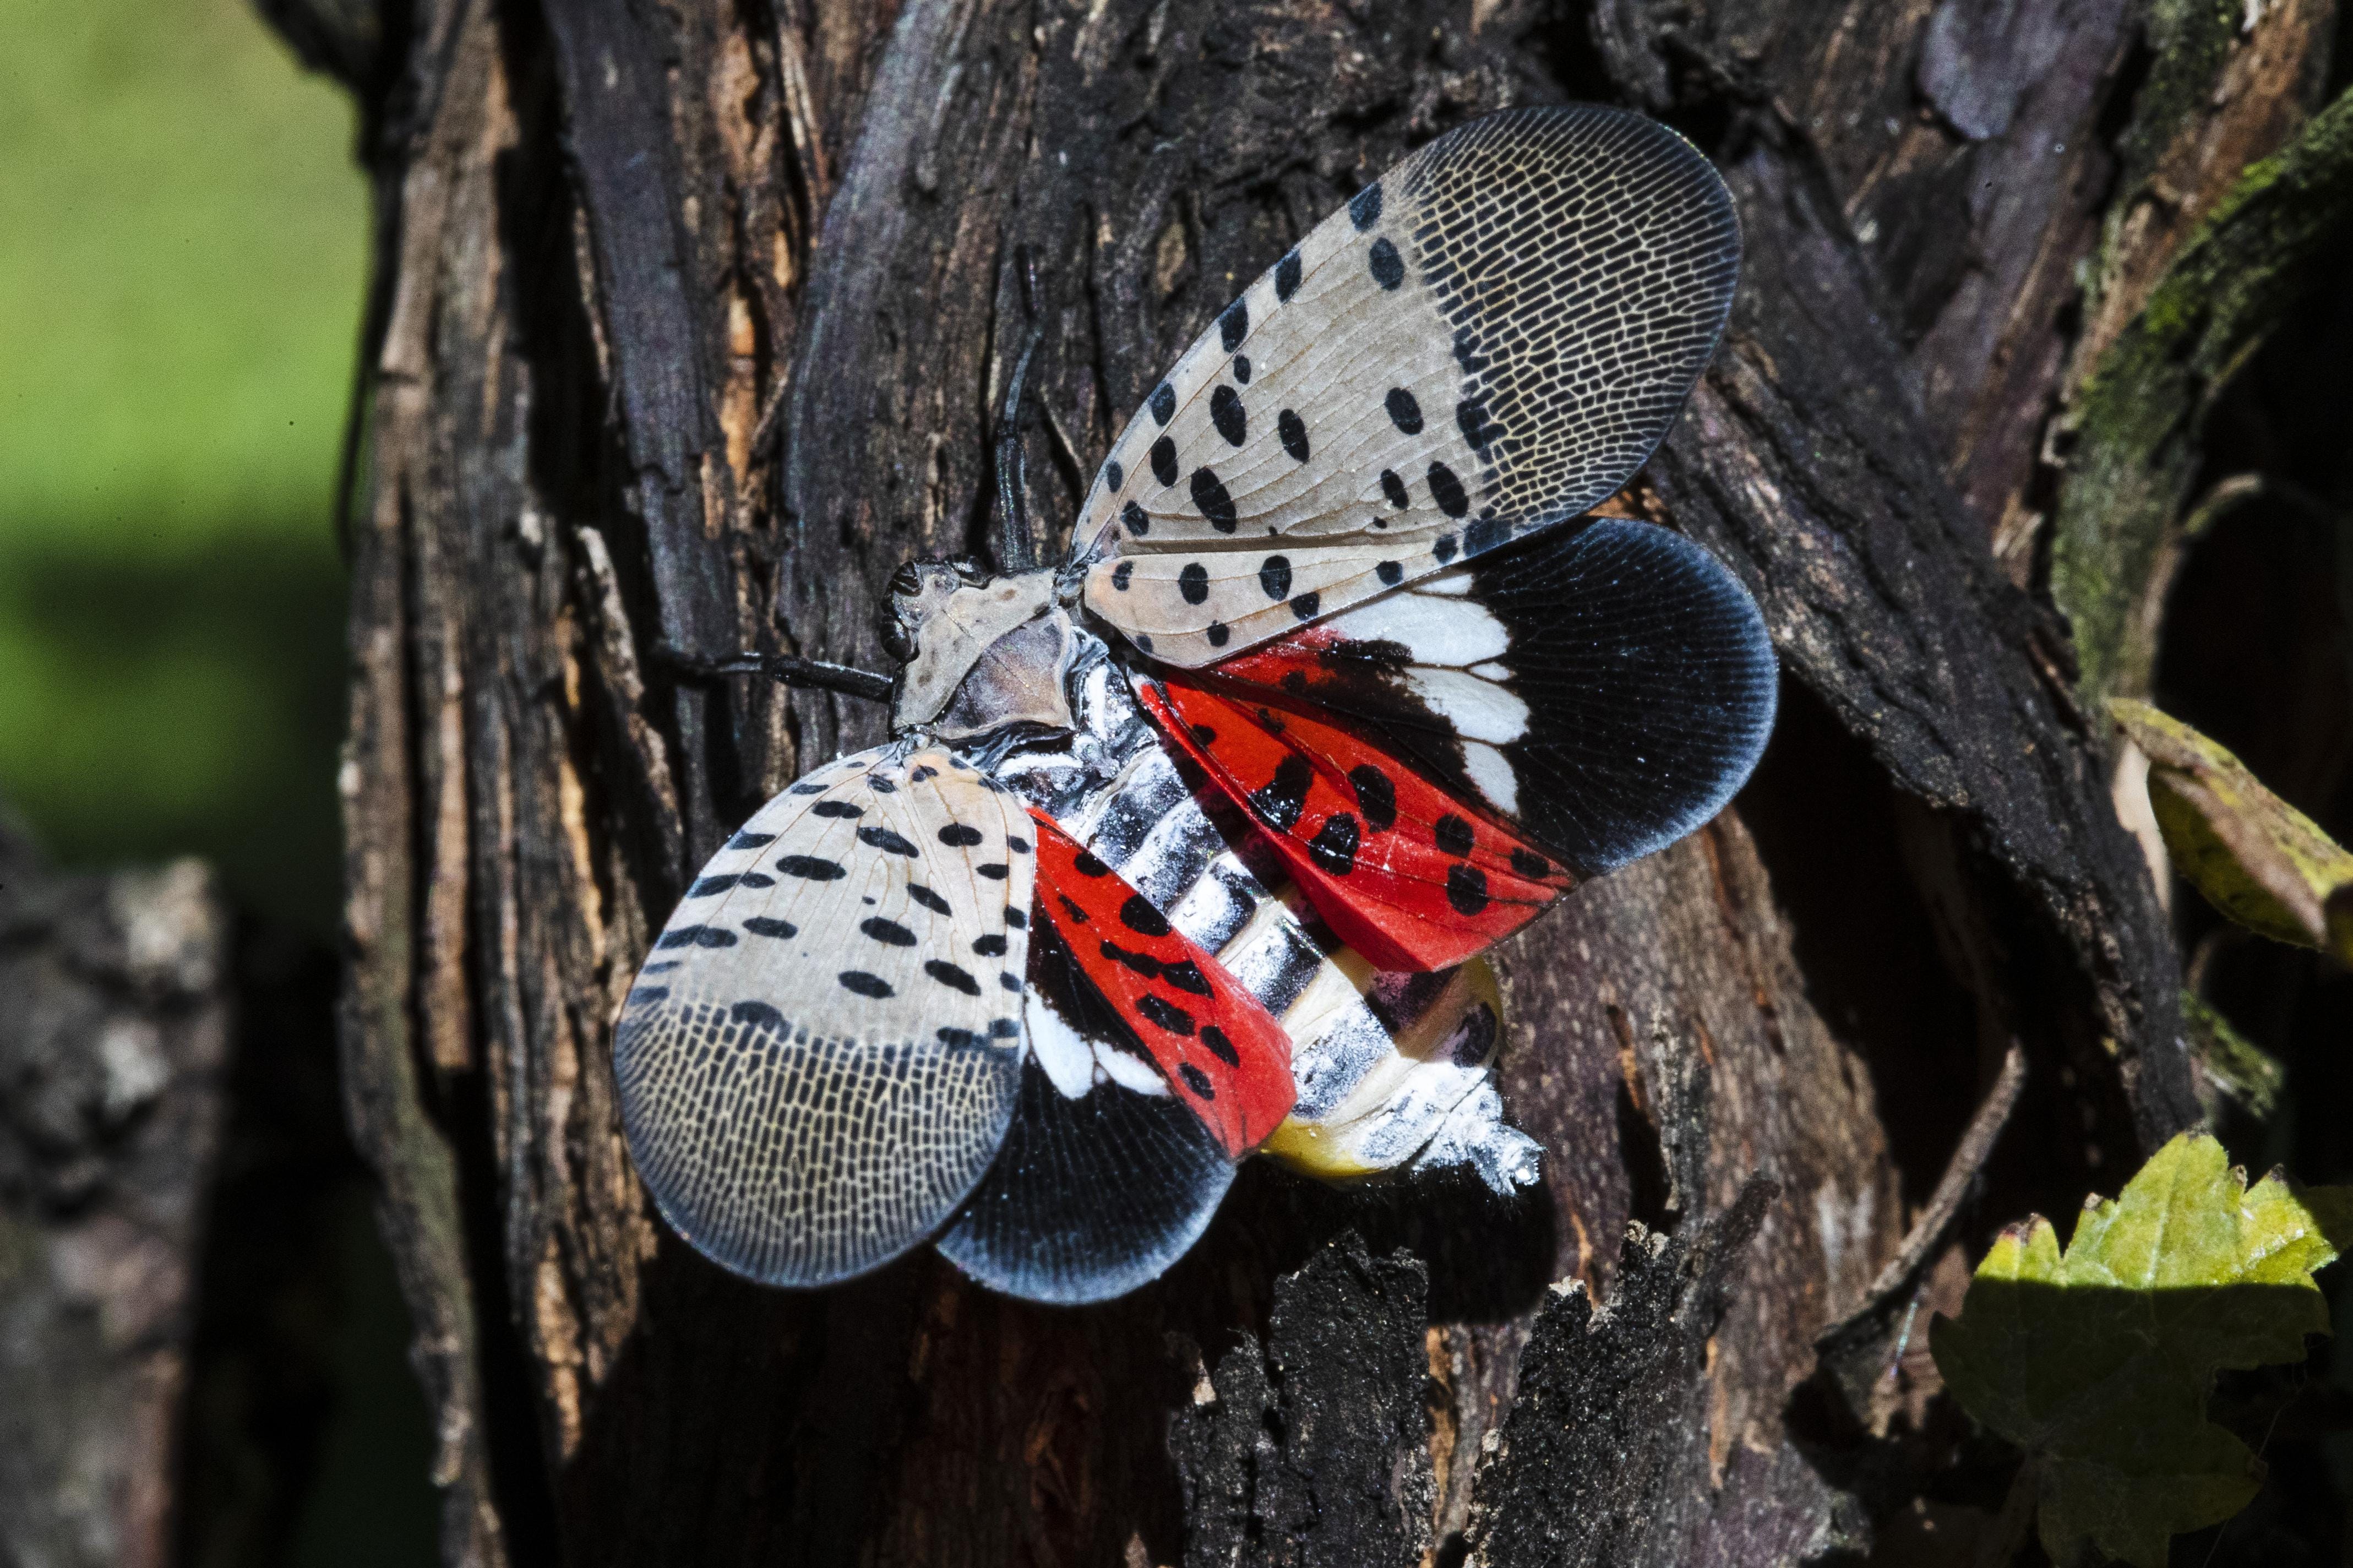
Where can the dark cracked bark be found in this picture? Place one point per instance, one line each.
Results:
(688, 325)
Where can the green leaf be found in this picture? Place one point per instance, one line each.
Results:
(2097, 1361)
(2256, 858)
(2231, 1062)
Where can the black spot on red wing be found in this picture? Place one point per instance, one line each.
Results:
(865, 984)
(747, 839)
(1375, 795)
(989, 946)
(761, 925)
(1446, 490)
(1086, 865)
(1165, 1013)
(1233, 326)
(1279, 800)
(1216, 632)
(1196, 1080)
(1226, 414)
(959, 836)
(1394, 488)
(994, 871)
(1162, 403)
(1219, 1047)
(1294, 681)
(890, 842)
(1138, 915)
(1274, 576)
(1186, 976)
(1070, 908)
(1307, 606)
(1202, 734)
(1113, 474)
(888, 932)
(1286, 276)
(812, 868)
(1452, 834)
(1138, 520)
(1529, 864)
(1404, 412)
(1334, 848)
(1121, 573)
(1387, 266)
(1389, 572)
(929, 900)
(697, 936)
(1293, 429)
(1164, 460)
(1444, 549)
(1193, 582)
(1466, 889)
(1144, 964)
(1018, 919)
(1210, 495)
(954, 976)
(1365, 208)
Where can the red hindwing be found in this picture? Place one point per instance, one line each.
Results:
(1222, 1052)
(1406, 873)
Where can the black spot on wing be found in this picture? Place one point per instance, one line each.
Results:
(1390, 572)
(1162, 404)
(1286, 275)
(890, 842)
(842, 808)
(1405, 410)
(1386, 265)
(959, 836)
(1219, 1047)
(1529, 864)
(1365, 208)
(1196, 1080)
(1164, 460)
(1226, 414)
(1279, 800)
(1275, 577)
(1138, 915)
(989, 946)
(759, 1015)
(954, 976)
(1086, 865)
(1242, 369)
(1210, 495)
(1216, 632)
(1445, 548)
(1143, 963)
(1113, 474)
(763, 925)
(994, 870)
(1120, 574)
(1186, 976)
(864, 984)
(1138, 520)
(1446, 490)
(1394, 489)
(890, 934)
(1193, 582)
(1233, 326)
(1466, 889)
(747, 839)
(1018, 919)
(1334, 848)
(1308, 605)
(1293, 430)
(918, 893)
(1165, 1013)
(1471, 418)
(1452, 834)
(697, 936)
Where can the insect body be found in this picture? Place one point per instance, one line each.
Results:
(1188, 849)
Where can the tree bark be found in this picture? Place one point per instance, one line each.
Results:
(687, 329)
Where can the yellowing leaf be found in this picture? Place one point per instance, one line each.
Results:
(2097, 1361)
(2256, 858)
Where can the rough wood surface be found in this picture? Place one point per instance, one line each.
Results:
(115, 1039)
(690, 321)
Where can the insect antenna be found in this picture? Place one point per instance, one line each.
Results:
(1017, 549)
(814, 673)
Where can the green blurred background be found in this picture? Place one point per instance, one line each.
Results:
(180, 293)
(181, 284)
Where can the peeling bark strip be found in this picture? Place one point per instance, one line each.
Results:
(694, 318)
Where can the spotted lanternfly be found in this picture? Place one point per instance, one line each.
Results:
(1188, 849)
